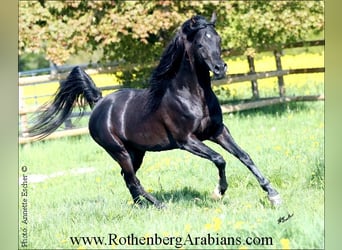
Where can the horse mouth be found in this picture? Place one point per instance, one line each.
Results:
(219, 76)
(219, 71)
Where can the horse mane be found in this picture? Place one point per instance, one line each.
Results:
(167, 68)
(171, 60)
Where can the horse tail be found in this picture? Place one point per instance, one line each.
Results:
(77, 87)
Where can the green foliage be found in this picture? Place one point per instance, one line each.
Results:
(256, 25)
(137, 31)
(31, 61)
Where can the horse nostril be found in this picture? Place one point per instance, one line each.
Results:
(217, 69)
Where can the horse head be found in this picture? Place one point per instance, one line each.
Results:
(203, 43)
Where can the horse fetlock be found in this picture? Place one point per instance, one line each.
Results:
(275, 200)
(135, 191)
(223, 186)
(160, 205)
(217, 193)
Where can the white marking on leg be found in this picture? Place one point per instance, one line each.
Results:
(217, 193)
(275, 200)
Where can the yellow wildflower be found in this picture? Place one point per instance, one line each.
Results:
(208, 226)
(217, 224)
(187, 228)
(248, 205)
(119, 73)
(218, 210)
(238, 224)
(147, 235)
(285, 243)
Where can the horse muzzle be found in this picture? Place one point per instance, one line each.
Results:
(220, 70)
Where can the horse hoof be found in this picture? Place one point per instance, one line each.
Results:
(275, 200)
(216, 195)
(160, 206)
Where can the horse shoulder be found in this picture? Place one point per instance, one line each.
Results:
(212, 119)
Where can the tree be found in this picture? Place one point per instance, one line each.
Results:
(255, 25)
(137, 31)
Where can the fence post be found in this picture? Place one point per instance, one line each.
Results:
(255, 90)
(53, 70)
(281, 83)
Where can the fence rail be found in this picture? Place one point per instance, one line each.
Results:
(234, 78)
(251, 76)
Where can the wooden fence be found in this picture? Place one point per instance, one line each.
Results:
(252, 76)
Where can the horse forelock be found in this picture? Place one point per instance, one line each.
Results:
(194, 24)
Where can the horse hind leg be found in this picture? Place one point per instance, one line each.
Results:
(137, 158)
(128, 158)
(130, 162)
(129, 168)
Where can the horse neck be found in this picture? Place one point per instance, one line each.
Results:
(193, 75)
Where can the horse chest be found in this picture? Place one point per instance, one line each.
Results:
(202, 116)
(211, 120)
(186, 112)
(206, 121)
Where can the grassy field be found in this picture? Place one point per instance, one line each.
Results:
(75, 190)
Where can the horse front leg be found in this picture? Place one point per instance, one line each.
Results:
(195, 146)
(225, 140)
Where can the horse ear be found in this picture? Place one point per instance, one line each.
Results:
(213, 18)
(193, 23)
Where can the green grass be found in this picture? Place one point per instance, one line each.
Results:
(285, 141)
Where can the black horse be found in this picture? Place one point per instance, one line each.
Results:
(178, 110)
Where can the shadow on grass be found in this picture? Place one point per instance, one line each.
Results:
(185, 195)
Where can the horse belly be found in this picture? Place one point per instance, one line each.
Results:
(148, 134)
